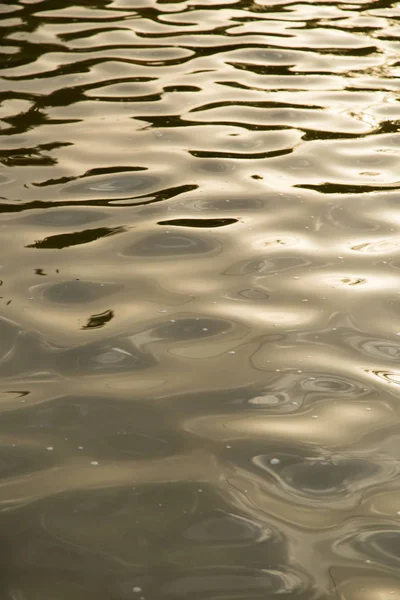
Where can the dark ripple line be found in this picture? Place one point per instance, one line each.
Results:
(342, 188)
(91, 173)
(264, 104)
(384, 128)
(172, 121)
(76, 238)
(146, 199)
(68, 37)
(242, 156)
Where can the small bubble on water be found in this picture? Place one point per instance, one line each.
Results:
(368, 408)
(228, 446)
(314, 416)
(94, 463)
(137, 589)
(231, 352)
(80, 447)
(50, 448)
(205, 329)
(274, 461)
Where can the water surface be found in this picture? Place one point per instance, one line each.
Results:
(200, 310)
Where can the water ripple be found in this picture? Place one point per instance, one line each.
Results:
(199, 310)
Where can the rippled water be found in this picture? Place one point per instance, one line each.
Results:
(200, 310)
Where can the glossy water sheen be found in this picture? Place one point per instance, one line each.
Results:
(200, 300)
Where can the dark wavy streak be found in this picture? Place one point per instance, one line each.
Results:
(271, 104)
(201, 223)
(80, 66)
(77, 238)
(379, 4)
(363, 88)
(30, 156)
(273, 34)
(33, 119)
(221, 30)
(263, 69)
(383, 128)
(167, 121)
(14, 95)
(29, 160)
(241, 86)
(154, 63)
(60, 20)
(32, 18)
(292, 71)
(65, 97)
(363, 51)
(242, 156)
(30, 52)
(49, 146)
(88, 33)
(160, 196)
(354, 29)
(249, 88)
(206, 51)
(286, 7)
(124, 99)
(341, 188)
(181, 88)
(283, 69)
(90, 173)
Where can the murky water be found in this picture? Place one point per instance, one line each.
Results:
(200, 300)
